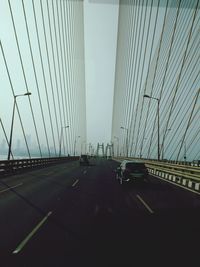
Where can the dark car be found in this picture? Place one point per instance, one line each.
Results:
(132, 171)
(83, 160)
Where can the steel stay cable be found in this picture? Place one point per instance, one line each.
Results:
(59, 73)
(64, 74)
(160, 44)
(67, 58)
(167, 63)
(125, 62)
(187, 80)
(130, 59)
(80, 22)
(140, 86)
(74, 31)
(71, 51)
(4, 131)
(136, 67)
(182, 65)
(50, 75)
(188, 125)
(54, 64)
(142, 72)
(193, 139)
(117, 60)
(186, 111)
(176, 48)
(151, 50)
(12, 89)
(78, 51)
(123, 26)
(43, 73)
(186, 77)
(63, 86)
(182, 123)
(174, 73)
(142, 38)
(24, 76)
(132, 90)
(35, 76)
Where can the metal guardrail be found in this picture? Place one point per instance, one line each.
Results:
(184, 175)
(10, 167)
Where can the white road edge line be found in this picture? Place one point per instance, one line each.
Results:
(25, 241)
(75, 182)
(145, 204)
(11, 187)
(179, 185)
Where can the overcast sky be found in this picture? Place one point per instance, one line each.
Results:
(101, 21)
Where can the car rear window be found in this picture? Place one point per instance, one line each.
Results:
(132, 166)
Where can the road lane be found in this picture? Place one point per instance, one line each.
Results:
(103, 223)
(9, 188)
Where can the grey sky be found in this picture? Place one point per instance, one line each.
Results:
(101, 21)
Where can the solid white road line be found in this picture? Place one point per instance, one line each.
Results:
(75, 182)
(25, 241)
(145, 204)
(11, 187)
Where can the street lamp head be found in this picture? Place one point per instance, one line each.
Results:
(28, 93)
(146, 96)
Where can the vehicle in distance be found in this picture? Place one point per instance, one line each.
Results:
(132, 171)
(83, 160)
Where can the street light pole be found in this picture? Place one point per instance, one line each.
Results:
(126, 139)
(185, 151)
(12, 123)
(117, 145)
(158, 114)
(163, 147)
(61, 135)
(75, 144)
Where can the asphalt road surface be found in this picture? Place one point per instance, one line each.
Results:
(71, 215)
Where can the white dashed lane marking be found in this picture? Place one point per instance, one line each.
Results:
(75, 182)
(11, 187)
(145, 204)
(29, 236)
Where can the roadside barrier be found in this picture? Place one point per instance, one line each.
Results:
(10, 167)
(183, 175)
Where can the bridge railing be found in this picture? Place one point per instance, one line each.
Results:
(9, 167)
(184, 175)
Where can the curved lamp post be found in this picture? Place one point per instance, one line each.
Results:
(12, 123)
(75, 144)
(123, 128)
(61, 135)
(158, 107)
(117, 145)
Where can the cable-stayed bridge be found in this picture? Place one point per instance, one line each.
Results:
(55, 212)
